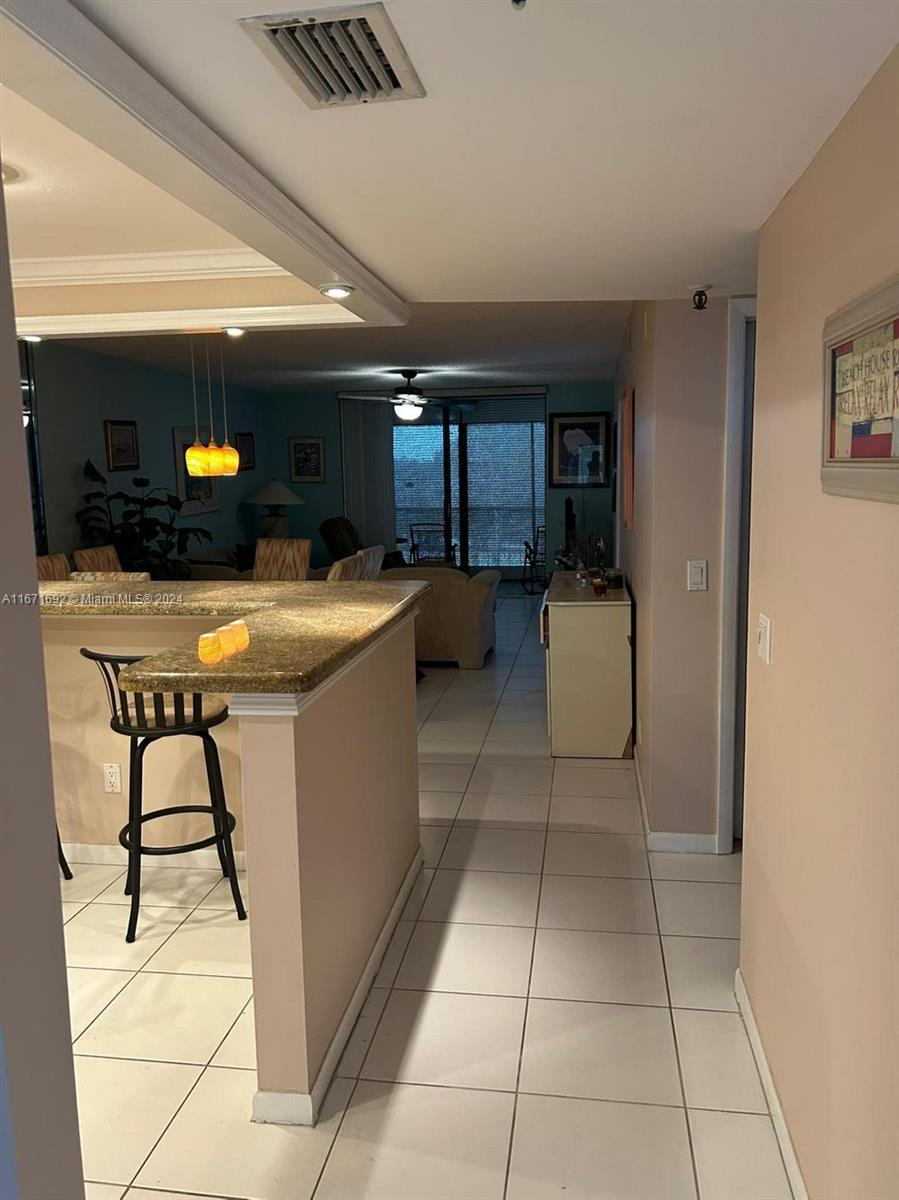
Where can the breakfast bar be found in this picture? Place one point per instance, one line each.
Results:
(320, 767)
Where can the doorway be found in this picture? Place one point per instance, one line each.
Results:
(735, 573)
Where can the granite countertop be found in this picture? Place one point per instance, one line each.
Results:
(563, 589)
(300, 633)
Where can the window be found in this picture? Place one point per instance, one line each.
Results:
(502, 474)
(505, 490)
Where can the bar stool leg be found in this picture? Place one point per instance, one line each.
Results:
(136, 795)
(217, 796)
(132, 776)
(219, 824)
(63, 865)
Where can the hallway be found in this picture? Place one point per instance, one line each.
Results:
(554, 1015)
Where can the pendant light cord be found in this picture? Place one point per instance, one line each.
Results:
(193, 380)
(224, 397)
(209, 391)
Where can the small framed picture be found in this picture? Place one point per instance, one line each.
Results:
(579, 450)
(307, 460)
(245, 445)
(200, 494)
(121, 445)
(860, 445)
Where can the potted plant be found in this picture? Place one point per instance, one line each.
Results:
(142, 525)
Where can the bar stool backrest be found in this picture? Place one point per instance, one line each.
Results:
(146, 712)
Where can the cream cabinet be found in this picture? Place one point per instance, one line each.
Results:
(587, 639)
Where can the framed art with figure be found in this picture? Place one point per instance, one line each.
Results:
(199, 493)
(578, 452)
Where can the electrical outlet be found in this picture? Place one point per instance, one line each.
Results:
(112, 777)
(763, 637)
(698, 575)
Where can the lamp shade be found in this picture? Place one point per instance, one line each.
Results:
(230, 459)
(274, 493)
(196, 458)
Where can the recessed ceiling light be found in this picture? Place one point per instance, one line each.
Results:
(234, 331)
(31, 337)
(336, 291)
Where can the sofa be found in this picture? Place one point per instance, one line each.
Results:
(456, 622)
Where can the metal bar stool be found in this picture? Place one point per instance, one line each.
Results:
(63, 864)
(145, 717)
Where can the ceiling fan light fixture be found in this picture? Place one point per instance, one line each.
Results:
(407, 411)
(336, 291)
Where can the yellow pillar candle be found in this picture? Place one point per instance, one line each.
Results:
(209, 648)
(227, 639)
(241, 634)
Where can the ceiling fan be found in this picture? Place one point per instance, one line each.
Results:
(408, 400)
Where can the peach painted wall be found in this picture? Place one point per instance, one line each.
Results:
(38, 1119)
(677, 362)
(820, 869)
(635, 550)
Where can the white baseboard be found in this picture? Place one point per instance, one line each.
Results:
(681, 843)
(301, 1108)
(116, 856)
(782, 1133)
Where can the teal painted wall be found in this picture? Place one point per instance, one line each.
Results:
(592, 506)
(307, 414)
(77, 390)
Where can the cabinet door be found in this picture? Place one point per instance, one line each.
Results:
(590, 680)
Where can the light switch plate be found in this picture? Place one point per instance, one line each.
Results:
(698, 575)
(763, 638)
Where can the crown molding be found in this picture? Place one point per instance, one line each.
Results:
(161, 266)
(187, 320)
(57, 59)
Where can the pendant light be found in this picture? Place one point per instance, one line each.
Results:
(230, 456)
(215, 457)
(196, 457)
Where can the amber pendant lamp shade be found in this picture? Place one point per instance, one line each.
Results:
(196, 457)
(230, 457)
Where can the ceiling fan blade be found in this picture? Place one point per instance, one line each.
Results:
(367, 396)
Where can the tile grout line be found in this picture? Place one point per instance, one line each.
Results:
(677, 1053)
(527, 1002)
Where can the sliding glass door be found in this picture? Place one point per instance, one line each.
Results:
(493, 485)
(506, 491)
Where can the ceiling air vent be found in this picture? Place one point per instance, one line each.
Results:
(338, 56)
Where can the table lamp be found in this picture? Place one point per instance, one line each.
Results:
(274, 496)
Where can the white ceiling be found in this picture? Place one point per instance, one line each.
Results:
(575, 149)
(458, 345)
(73, 199)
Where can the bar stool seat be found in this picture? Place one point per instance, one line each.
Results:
(145, 717)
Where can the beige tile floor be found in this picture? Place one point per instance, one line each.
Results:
(554, 1016)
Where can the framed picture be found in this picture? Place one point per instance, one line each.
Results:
(245, 445)
(200, 495)
(578, 452)
(307, 460)
(121, 445)
(627, 458)
(860, 443)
